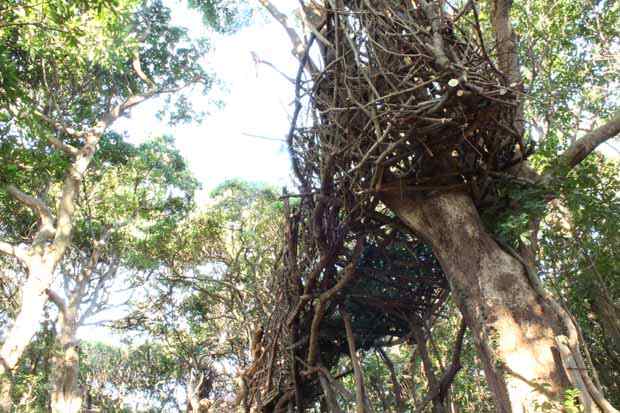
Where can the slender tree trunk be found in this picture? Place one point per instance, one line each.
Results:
(361, 404)
(608, 315)
(396, 387)
(66, 397)
(429, 371)
(514, 328)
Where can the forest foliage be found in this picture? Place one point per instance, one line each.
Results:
(186, 288)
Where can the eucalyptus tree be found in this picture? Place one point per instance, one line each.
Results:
(429, 111)
(73, 69)
(131, 193)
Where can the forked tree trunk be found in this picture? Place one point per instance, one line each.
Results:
(513, 326)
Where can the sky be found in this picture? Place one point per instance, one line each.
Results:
(245, 138)
(242, 139)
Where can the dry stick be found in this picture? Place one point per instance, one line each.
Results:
(448, 376)
(319, 310)
(357, 369)
(398, 394)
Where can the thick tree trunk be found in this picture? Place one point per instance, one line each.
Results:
(6, 386)
(66, 397)
(514, 328)
(33, 299)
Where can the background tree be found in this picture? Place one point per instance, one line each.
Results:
(64, 90)
(125, 199)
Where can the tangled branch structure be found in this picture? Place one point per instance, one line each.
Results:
(396, 96)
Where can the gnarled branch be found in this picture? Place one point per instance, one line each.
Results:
(46, 228)
(14, 251)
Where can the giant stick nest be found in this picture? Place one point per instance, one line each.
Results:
(390, 95)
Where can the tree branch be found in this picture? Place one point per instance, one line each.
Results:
(13, 251)
(396, 387)
(579, 150)
(46, 228)
(330, 397)
(60, 127)
(33, 203)
(299, 47)
(360, 392)
(56, 299)
(298, 44)
(119, 110)
(325, 297)
(506, 41)
(448, 377)
(137, 67)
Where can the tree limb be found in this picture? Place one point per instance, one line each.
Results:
(330, 397)
(33, 203)
(448, 377)
(299, 47)
(579, 150)
(506, 42)
(58, 301)
(137, 67)
(13, 251)
(298, 44)
(360, 392)
(46, 229)
(62, 128)
(119, 110)
(323, 300)
(396, 387)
